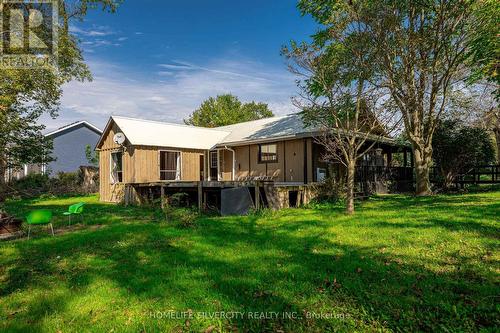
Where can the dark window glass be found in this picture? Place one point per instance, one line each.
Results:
(169, 165)
(117, 167)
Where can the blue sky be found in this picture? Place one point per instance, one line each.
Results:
(160, 59)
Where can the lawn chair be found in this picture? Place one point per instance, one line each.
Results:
(39, 217)
(76, 209)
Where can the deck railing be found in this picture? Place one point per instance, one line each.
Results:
(482, 174)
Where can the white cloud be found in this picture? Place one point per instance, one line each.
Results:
(172, 95)
(94, 31)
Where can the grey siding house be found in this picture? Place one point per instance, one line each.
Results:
(69, 146)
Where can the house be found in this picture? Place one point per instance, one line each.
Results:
(277, 150)
(69, 144)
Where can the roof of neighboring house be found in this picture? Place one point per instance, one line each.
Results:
(73, 125)
(154, 133)
(284, 127)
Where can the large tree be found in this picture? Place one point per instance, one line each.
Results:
(226, 110)
(337, 96)
(421, 51)
(484, 48)
(27, 93)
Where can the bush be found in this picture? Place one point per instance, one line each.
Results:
(30, 182)
(182, 217)
(458, 147)
(330, 190)
(180, 199)
(178, 211)
(66, 183)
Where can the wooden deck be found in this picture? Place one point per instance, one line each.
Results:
(266, 193)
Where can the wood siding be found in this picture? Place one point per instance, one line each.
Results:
(140, 164)
(288, 168)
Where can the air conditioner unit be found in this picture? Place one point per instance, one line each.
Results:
(320, 174)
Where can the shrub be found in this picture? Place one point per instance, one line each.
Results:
(457, 148)
(182, 217)
(330, 190)
(38, 184)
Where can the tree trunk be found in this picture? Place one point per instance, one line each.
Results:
(351, 168)
(423, 158)
(497, 138)
(3, 171)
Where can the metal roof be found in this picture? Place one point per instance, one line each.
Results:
(284, 127)
(154, 133)
(162, 134)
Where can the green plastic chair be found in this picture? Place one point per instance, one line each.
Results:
(76, 209)
(39, 217)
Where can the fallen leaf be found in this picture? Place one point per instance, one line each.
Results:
(210, 329)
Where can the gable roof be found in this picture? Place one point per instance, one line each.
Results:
(73, 125)
(154, 133)
(284, 127)
(161, 134)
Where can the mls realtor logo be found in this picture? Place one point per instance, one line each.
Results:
(29, 33)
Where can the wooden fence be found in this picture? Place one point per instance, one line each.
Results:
(403, 178)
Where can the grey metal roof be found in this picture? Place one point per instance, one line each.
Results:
(283, 127)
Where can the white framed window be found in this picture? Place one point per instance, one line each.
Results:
(213, 159)
(116, 167)
(170, 165)
(268, 153)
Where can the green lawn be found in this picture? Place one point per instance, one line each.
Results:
(400, 264)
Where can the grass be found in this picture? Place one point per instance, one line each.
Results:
(400, 264)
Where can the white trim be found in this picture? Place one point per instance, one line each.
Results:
(111, 175)
(86, 123)
(234, 163)
(219, 178)
(25, 170)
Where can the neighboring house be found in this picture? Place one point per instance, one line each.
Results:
(69, 144)
(278, 149)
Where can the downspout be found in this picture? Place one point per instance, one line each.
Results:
(234, 162)
(218, 165)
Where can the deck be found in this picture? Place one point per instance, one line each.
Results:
(264, 192)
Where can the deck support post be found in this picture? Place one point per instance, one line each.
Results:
(200, 196)
(127, 195)
(257, 195)
(162, 197)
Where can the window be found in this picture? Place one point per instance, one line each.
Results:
(268, 153)
(170, 165)
(213, 159)
(116, 167)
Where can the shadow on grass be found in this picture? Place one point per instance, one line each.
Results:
(243, 264)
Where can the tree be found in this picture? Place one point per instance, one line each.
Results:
(27, 93)
(477, 106)
(226, 110)
(336, 96)
(91, 156)
(420, 49)
(458, 148)
(485, 45)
